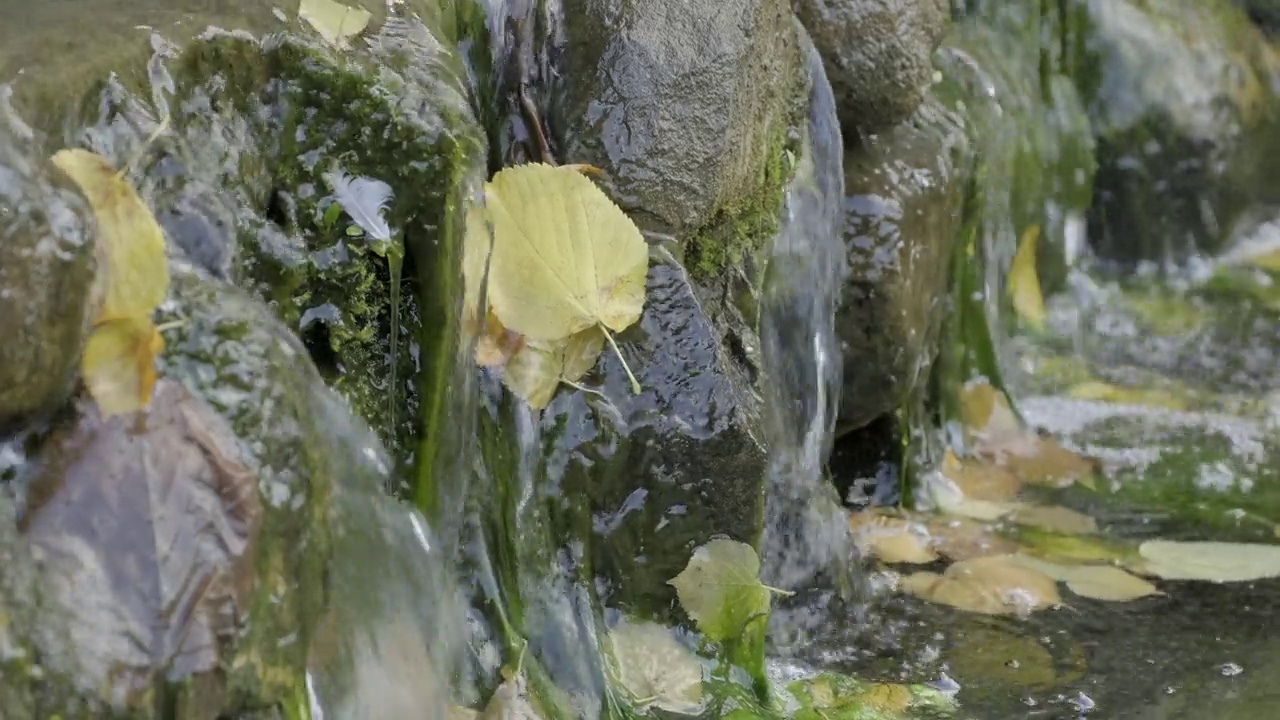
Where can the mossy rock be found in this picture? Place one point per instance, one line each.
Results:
(1181, 95)
(693, 142)
(239, 183)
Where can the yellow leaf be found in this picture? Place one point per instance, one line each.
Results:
(979, 480)
(537, 368)
(131, 246)
(1040, 460)
(1097, 582)
(119, 364)
(1055, 519)
(564, 259)
(888, 697)
(987, 585)
(892, 540)
(1070, 548)
(958, 538)
(1024, 283)
(496, 345)
(1095, 390)
(335, 22)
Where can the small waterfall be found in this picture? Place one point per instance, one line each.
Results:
(805, 527)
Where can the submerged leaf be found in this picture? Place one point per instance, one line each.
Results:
(989, 585)
(720, 588)
(1069, 548)
(118, 364)
(131, 248)
(565, 258)
(1097, 582)
(334, 21)
(147, 528)
(1024, 282)
(655, 668)
(364, 199)
(958, 538)
(980, 480)
(891, 539)
(1054, 519)
(1211, 561)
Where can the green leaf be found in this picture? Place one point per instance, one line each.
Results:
(1024, 282)
(720, 588)
(1211, 561)
(655, 669)
(837, 697)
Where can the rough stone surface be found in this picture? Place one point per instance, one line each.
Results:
(877, 54)
(904, 190)
(684, 104)
(46, 275)
(1264, 12)
(1183, 101)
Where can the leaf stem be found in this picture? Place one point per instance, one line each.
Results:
(635, 384)
(779, 591)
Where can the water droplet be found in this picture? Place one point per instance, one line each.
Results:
(1230, 669)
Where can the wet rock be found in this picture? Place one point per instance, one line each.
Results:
(46, 275)
(242, 183)
(1031, 135)
(877, 54)
(1266, 13)
(1181, 97)
(687, 106)
(904, 196)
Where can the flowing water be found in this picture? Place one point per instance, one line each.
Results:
(512, 565)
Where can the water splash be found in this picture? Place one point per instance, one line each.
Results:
(805, 530)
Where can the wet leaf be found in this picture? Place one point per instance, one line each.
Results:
(838, 697)
(118, 364)
(334, 22)
(1211, 561)
(512, 700)
(989, 585)
(985, 411)
(537, 368)
(145, 526)
(891, 539)
(958, 538)
(980, 480)
(1097, 582)
(1024, 282)
(565, 258)
(1068, 548)
(1054, 519)
(720, 588)
(655, 668)
(1040, 461)
(982, 657)
(1095, 390)
(131, 247)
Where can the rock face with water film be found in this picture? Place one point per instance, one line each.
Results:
(877, 54)
(46, 276)
(1182, 95)
(687, 106)
(902, 216)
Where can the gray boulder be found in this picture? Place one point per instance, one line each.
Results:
(904, 195)
(687, 106)
(877, 54)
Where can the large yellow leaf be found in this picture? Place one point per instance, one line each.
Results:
(988, 585)
(565, 257)
(537, 368)
(334, 21)
(118, 364)
(130, 242)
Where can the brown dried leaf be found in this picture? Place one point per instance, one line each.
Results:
(989, 585)
(980, 480)
(145, 526)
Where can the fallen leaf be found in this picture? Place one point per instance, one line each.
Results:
(1070, 548)
(147, 532)
(1106, 392)
(512, 700)
(565, 258)
(838, 697)
(985, 411)
(1218, 562)
(720, 588)
(655, 668)
(1054, 519)
(1024, 282)
(536, 369)
(989, 585)
(118, 364)
(1097, 582)
(1039, 460)
(982, 657)
(959, 538)
(334, 22)
(892, 540)
(980, 480)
